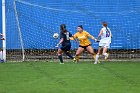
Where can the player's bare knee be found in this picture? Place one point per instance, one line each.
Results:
(77, 54)
(92, 53)
(58, 53)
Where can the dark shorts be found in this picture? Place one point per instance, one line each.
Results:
(84, 46)
(66, 48)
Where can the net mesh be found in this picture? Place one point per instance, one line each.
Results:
(39, 19)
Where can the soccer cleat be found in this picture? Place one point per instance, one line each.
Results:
(61, 63)
(95, 63)
(75, 60)
(94, 56)
(98, 61)
(107, 55)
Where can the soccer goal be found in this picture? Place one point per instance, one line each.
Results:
(30, 26)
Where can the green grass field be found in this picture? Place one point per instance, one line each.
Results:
(85, 77)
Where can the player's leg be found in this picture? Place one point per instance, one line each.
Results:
(67, 51)
(78, 52)
(98, 54)
(91, 51)
(69, 55)
(1, 58)
(59, 53)
(105, 50)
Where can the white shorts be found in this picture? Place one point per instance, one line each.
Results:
(104, 45)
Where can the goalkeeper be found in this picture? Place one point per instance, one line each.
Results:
(83, 36)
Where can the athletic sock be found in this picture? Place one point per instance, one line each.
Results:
(77, 58)
(97, 57)
(105, 54)
(69, 55)
(94, 56)
(60, 58)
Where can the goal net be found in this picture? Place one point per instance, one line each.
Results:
(30, 26)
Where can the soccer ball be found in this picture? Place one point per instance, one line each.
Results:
(55, 35)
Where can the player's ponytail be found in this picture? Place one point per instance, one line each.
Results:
(107, 30)
(105, 25)
(63, 28)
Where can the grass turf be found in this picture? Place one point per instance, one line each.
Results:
(44, 77)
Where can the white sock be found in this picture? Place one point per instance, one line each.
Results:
(97, 57)
(105, 54)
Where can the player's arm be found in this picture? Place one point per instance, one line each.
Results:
(111, 35)
(1, 34)
(92, 37)
(61, 40)
(74, 38)
(101, 32)
(71, 37)
(2, 37)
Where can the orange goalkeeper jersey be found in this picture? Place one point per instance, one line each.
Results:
(83, 38)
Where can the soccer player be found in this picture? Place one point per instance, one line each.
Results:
(1, 50)
(83, 36)
(2, 37)
(105, 35)
(65, 42)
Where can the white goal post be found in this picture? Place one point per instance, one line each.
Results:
(4, 30)
(19, 30)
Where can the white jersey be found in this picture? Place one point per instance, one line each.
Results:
(106, 36)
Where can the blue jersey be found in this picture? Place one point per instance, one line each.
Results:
(66, 36)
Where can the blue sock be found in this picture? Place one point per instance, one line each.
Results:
(1, 61)
(69, 55)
